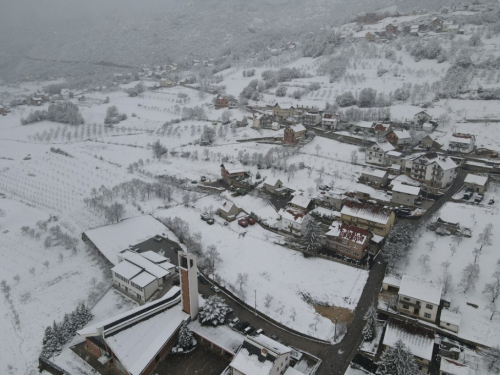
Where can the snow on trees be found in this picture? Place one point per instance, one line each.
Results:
(470, 274)
(158, 149)
(312, 234)
(185, 337)
(371, 323)
(64, 113)
(214, 311)
(397, 360)
(398, 242)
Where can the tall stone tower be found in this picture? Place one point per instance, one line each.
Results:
(188, 275)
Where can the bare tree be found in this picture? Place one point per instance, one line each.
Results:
(241, 279)
(492, 357)
(318, 149)
(484, 238)
(493, 309)
(446, 281)
(446, 264)
(17, 278)
(354, 157)
(186, 198)
(492, 290)
(470, 275)
(424, 262)
(453, 249)
(60, 257)
(212, 257)
(476, 253)
(293, 314)
(268, 299)
(430, 245)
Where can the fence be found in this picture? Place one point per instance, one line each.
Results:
(51, 367)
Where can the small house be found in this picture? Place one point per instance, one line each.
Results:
(36, 101)
(450, 320)
(231, 171)
(301, 202)
(462, 143)
(310, 117)
(362, 127)
(348, 240)
(391, 29)
(241, 123)
(372, 217)
(271, 184)
(450, 367)
(221, 102)
(371, 37)
(381, 130)
(376, 153)
(404, 194)
(428, 143)
(293, 134)
(374, 176)
(400, 139)
(332, 122)
(283, 113)
(421, 117)
(331, 199)
(228, 211)
(292, 220)
(436, 24)
(263, 122)
(476, 182)
(419, 298)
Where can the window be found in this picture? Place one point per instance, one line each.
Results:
(427, 315)
(406, 307)
(355, 254)
(447, 324)
(355, 246)
(406, 298)
(347, 251)
(428, 306)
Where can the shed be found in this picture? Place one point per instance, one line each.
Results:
(476, 182)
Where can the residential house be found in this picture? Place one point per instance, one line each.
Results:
(165, 82)
(400, 139)
(293, 134)
(348, 240)
(419, 340)
(301, 202)
(140, 275)
(374, 176)
(381, 129)
(404, 194)
(263, 356)
(433, 170)
(241, 123)
(292, 220)
(419, 298)
(436, 24)
(221, 102)
(450, 27)
(232, 171)
(283, 113)
(371, 37)
(421, 117)
(133, 342)
(450, 367)
(463, 143)
(271, 184)
(476, 182)
(391, 29)
(263, 122)
(332, 199)
(310, 117)
(332, 122)
(374, 218)
(228, 211)
(369, 18)
(362, 127)
(36, 101)
(447, 225)
(428, 143)
(450, 320)
(376, 153)
(414, 29)
(394, 157)
(66, 94)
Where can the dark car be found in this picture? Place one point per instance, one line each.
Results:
(202, 280)
(250, 221)
(241, 326)
(243, 223)
(467, 196)
(176, 281)
(210, 221)
(492, 201)
(274, 337)
(479, 198)
(248, 330)
(157, 238)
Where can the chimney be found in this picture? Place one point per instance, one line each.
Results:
(188, 272)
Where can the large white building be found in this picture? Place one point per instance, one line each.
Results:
(463, 143)
(376, 153)
(293, 220)
(419, 298)
(434, 170)
(141, 275)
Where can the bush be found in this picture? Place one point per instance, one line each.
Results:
(64, 113)
(281, 91)
(346, 99)
(367, 98)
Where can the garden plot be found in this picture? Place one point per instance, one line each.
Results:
(284, 274)
(429, 255)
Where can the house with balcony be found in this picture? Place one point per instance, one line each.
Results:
(283, 113)
(333, 199)
(348, 240)
(331, 121)
(462, 143)
(435, 171)
(419, 340)
(419, 298)
(374, 218)
(310, 117)
(376, 153)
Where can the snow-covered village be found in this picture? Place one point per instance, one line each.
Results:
(268, 200)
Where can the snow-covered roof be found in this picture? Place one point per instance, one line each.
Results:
(246, 363)
(420, 342)
(422, 290)
(322, 211)
(374, 172)
(385, 146)
(353, 233)
(376, 238)
(226, 206)
(143, 279)
(451, 317)
(36, 98)
(298, 128)
(464, 139)
(270, 344)
(292, 371)
(445, 163)
(364, 124)
(167, 300)
(402, 134)
(367, 212)
(301, 201)
(334, 229)
(234, 168)
(144, 263)
(406, 189)
(476, 179)
(271, 181)
(111, 239)
(402, 178)
(222, 336)
(292, 215)
(395, 167)
(154, 257)
(395, 153)
(452, 367)
(137, 345)
(391, 280)
(126, 269)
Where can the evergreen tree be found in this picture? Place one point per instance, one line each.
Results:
(371, 323)
(214, 312)
(312, 234)
(397, 360)
(185, 336)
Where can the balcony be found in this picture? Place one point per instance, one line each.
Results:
(414, 304)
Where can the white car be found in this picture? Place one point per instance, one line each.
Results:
(216, 289)
(233, 322)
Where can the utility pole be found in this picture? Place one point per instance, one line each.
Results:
(255, 306)
(335, 334)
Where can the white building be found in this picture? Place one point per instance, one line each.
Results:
(404, 194)
(301, 202)
(374, 176)
(434, 170)
(419, 298)
(451, 367)
(332, 122)
(463, 143)
(292, 220)
(141, 275)
(263, 356)
(476, 182)
(376, 153)
(450, 320)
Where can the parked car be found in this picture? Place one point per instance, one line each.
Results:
(157, 238)
(202, 280)
(248, 330)
(203, 179)
(210, 221)
(194, 182)
(176, 281)
(250, 220)
(243, 223)
(27, 158)
(321, 187)
(479, 198)
(233, 322)
(492, 201)
(241, 326)
(229, 311)
(226, 223)
(467, 196)
(274, 337)
(260, 331)
(204, 217)
(215, 289)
